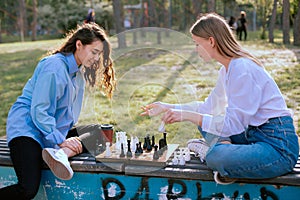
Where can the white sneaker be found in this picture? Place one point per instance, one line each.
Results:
(58, 162)
(223, 180)
(199, 146)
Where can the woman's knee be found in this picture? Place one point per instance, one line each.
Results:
(216, 157)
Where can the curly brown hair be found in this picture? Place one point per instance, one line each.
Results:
(102, 73)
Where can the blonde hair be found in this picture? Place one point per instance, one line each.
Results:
(213, 25)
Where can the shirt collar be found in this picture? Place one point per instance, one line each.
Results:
(72, 65)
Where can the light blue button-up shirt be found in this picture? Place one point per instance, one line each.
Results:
(50, 103)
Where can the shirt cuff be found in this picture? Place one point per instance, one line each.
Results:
(213, 124)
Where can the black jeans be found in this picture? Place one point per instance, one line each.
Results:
(26, 156)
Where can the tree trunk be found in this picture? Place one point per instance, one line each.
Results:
(211, 6)
(21, 19)
(197, 7)
(286, 22)
(297, 27)
(0, 31)
(272, 22)
(119, 18)
(34, 20)
(264, 20)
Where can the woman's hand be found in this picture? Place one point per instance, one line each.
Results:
(175, 115)
(155, 108)
(72, 143)
(172, 115)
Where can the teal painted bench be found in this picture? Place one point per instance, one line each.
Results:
(113, 180)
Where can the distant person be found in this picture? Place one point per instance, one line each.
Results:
(127, 24)
(90, 16)
(41, 123)
(232, 23)
(242, 26)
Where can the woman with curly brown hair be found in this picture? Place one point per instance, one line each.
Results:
(40, 124)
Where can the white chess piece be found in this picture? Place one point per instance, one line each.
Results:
(118, 142)
(175, 161)
(134, 141)
(187, 154)
(107, 150)
(181, 159)
(161, 128)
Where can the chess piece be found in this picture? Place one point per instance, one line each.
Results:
(161, 128)
(187, 154)
(153, 141)
(145, 143)
(107, 150)
(137, 151)
(122, 154)
(181, 159)
(162, 144)
(165, 138)
(118, 142)
(149, 146)
(155, 155)
(129, 153)
(140, 148)
(175, 161)
(134, 140)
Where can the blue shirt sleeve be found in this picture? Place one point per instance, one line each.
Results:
(49, 87)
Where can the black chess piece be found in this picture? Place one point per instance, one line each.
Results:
(137, 150)
(129, 153)
(145, 143)
(165, 138)
(162, 146)
(153, 141)
(156, 153)
(149, 146)
(122, 154)
(140, 148)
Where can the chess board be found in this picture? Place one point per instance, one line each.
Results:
(146, 158)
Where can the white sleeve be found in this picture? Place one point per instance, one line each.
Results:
(244, 97)
(216, 102)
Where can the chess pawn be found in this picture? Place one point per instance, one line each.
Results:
(140, 148)
(107, 150)
(155, 155)
(122, 154)
(175, 161)
(181, 159)
(137, 151)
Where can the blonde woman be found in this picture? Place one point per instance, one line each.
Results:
(245, 120)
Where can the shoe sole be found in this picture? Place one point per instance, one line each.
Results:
(57, 168)
(222, 180)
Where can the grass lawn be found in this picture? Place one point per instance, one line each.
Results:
(147, 72)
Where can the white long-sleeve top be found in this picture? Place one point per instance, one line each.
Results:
(244, 95)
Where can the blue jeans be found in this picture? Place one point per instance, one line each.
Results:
(264, 151)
